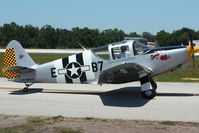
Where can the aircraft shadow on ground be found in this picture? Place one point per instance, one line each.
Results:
(125, 97)
(30, 91)
(122, 97)
(176, 94)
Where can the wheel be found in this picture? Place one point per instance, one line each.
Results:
(153, 83)
(25, 89)
(149, 94)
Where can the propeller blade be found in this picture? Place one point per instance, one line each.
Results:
(191, 50)
(193, 58)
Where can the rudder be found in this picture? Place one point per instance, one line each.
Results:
(15, 55)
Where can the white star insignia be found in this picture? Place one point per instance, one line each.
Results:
(74, 70)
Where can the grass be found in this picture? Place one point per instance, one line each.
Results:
(175, 76)
(37, 124)
(169, 123)
(60, 124)
(68, 130)
(30, 126)
(44, 58)
(35, 121)
(17, 129)
(178, 75)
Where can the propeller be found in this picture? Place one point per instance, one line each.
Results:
(191, 50)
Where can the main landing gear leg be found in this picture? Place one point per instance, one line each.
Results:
(153, 83)
(148, 87)
(25, 89)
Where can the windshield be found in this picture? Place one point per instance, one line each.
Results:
(102, 52)
(139, 48)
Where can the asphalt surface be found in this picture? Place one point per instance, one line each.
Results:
(174, 101)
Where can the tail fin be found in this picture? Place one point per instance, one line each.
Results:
(14, 56)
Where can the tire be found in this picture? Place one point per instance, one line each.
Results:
(149, 94)
(25, 89)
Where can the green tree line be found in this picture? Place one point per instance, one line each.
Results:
(49, 37)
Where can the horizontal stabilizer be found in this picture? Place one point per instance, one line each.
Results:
(19, 69)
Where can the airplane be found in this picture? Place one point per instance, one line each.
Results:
(115, 63)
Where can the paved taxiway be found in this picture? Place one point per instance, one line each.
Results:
(174, 101)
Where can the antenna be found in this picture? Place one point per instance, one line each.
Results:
(81, 45)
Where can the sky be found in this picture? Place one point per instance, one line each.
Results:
(128, 15)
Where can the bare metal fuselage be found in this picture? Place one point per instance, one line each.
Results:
(91, 66)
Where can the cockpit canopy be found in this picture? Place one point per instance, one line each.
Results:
(120, 50)
(139, 48)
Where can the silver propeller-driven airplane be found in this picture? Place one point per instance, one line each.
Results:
(116, 63)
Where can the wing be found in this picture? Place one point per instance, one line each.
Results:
(123, 73)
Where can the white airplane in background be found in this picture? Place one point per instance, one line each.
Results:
(115, 63)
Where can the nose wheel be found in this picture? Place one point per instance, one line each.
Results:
(25, 89)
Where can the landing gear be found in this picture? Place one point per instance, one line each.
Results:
(25, 89)
(153, 83)
(149, 94)
(148, 87)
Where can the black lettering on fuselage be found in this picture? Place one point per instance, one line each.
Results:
(53, 73)
(94, 66)
(97, 66)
